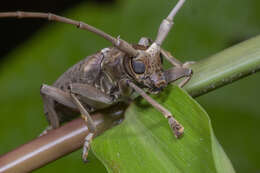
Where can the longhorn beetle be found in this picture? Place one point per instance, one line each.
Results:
(110, 76)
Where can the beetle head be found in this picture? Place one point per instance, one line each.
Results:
(147, 71)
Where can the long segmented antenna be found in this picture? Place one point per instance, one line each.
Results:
(119, 43)
(167, 23)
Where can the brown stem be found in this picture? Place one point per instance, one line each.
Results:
(55, 144)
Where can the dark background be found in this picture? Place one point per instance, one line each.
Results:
(29, 26)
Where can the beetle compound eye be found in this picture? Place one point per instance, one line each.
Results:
(138, 67)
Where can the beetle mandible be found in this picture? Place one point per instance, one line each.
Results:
(110, 76)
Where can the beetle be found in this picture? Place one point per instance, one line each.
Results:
(111, 76)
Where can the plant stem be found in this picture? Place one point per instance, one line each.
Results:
(55, 144)
(225, 67)
(211, 73)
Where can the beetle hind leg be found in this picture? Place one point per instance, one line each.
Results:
(45, 131)
(50, 95)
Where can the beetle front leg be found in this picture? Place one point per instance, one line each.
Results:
(176, 73)
(174, 61)
(180, 65)
(176, 127)
(167, 55)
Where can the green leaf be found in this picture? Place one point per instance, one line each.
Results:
(145, 143)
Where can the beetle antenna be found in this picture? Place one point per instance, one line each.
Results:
(119, 43)
(167, 23)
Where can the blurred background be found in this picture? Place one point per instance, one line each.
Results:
(33, 52)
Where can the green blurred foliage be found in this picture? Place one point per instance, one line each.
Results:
(201, 29)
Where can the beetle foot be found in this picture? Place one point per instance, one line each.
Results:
(86, 147)
(177, 128)
(45, 131)
(188, 64)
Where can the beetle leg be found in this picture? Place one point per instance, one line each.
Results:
(174, 61)
(90, 124)
(85, 115)
(184, 81)
(92, 95)
(170, 58)
(49, 95)
(177, 128)
(70, 100)
(176, 73)
(180, 66)
(50, 112)
(188, 64)
(86, 146)
(58, 95)
(45, 131)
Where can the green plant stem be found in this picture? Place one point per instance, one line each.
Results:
(225, 67)
(211, 73)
